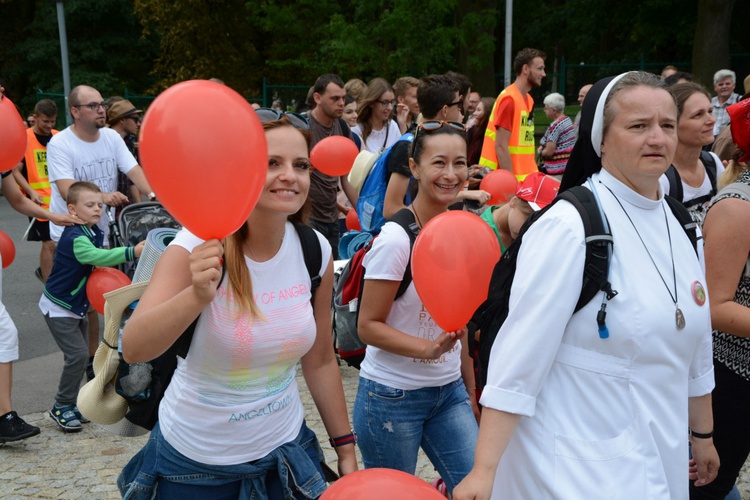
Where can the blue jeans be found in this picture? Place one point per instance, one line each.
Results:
(392, 424)
(159, 471)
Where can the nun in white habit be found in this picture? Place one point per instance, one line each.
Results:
(570, 413)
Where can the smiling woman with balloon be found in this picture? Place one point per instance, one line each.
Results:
(231, 422)
(411, 392)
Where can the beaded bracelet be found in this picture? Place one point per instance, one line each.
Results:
(701, 435)
(343, 440)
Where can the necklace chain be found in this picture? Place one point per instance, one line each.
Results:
(416, 215)
(679, 316)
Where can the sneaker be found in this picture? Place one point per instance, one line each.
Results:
(38, 274)
(80, 416)
(14, 428)
(65, 417)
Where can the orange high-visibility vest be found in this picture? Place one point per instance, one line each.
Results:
(521, 144)
(36, 167)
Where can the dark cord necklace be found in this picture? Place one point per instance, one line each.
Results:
(678, 316)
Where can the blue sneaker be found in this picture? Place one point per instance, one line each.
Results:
(65, 417)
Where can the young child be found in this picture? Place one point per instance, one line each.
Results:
(64, 302)
(533, 193)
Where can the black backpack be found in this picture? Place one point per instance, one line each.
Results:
(349, 346)
(675, 182)
(143, 408)
(491, 315)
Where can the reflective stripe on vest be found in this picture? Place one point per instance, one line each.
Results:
(521, 143)
(36, 167)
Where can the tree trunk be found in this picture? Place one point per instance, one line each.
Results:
(711, 44)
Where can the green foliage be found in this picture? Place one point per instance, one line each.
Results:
(105, 49)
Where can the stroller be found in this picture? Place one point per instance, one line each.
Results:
(133, 225)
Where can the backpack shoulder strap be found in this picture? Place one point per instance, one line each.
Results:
(405, 219)
(312, 254)
(709, 162)
(345, 130)
(675, 183)
(685, 220)
(598, 245)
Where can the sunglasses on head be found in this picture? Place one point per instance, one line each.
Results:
(432, 125)
(269, 115)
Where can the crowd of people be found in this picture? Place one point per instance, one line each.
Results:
(653, 409)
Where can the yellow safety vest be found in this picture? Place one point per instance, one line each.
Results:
(521, 144)
(36, 167)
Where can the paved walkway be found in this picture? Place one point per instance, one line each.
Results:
(86, 464)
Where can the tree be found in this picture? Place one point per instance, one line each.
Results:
(105, 49)
(711, 43)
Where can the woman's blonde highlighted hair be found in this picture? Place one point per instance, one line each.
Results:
(241, 284)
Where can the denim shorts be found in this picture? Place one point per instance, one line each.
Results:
(392, 424)
(160, 471)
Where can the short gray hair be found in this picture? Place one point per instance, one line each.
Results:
(723, 74)
(555, 101)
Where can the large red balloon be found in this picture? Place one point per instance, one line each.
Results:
(204, 153)
(452, 263)
(377, 484)
(104, 280)
(7, 249)
(501, 184)
(352, 221)
(12, 135)
(334, 155)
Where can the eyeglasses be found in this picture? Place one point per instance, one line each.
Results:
(93, 106)
(386, 104)
(433, 125)
(269, 115)
(459, 103)
(135, 118)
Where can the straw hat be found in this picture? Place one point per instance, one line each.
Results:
(361, 168)
(97, 400)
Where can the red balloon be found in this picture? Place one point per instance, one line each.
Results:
(352, 221)
(451, 264)
(501, 184)
(334, 155)
(7, 249)
(377, 484)
(104, 280)
(204, 153)
(12, 135)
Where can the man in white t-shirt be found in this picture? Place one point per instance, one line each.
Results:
(87, 151)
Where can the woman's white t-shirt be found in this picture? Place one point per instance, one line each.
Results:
(235, 397)
(387, 260)
(380, 140)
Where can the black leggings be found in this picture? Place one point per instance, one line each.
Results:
(731, 408)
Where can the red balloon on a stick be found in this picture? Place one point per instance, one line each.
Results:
(452, 263)
(7, 249)
(501, 184)
(352, 221)
(204, 153)
(12, 135)
(376, 484)
(104, 280)
(334, 155)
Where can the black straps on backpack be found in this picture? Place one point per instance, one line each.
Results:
(490, 316)
(686, 221)
(405, 219)
(675, 181)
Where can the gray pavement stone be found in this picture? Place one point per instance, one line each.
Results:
(94, 457)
